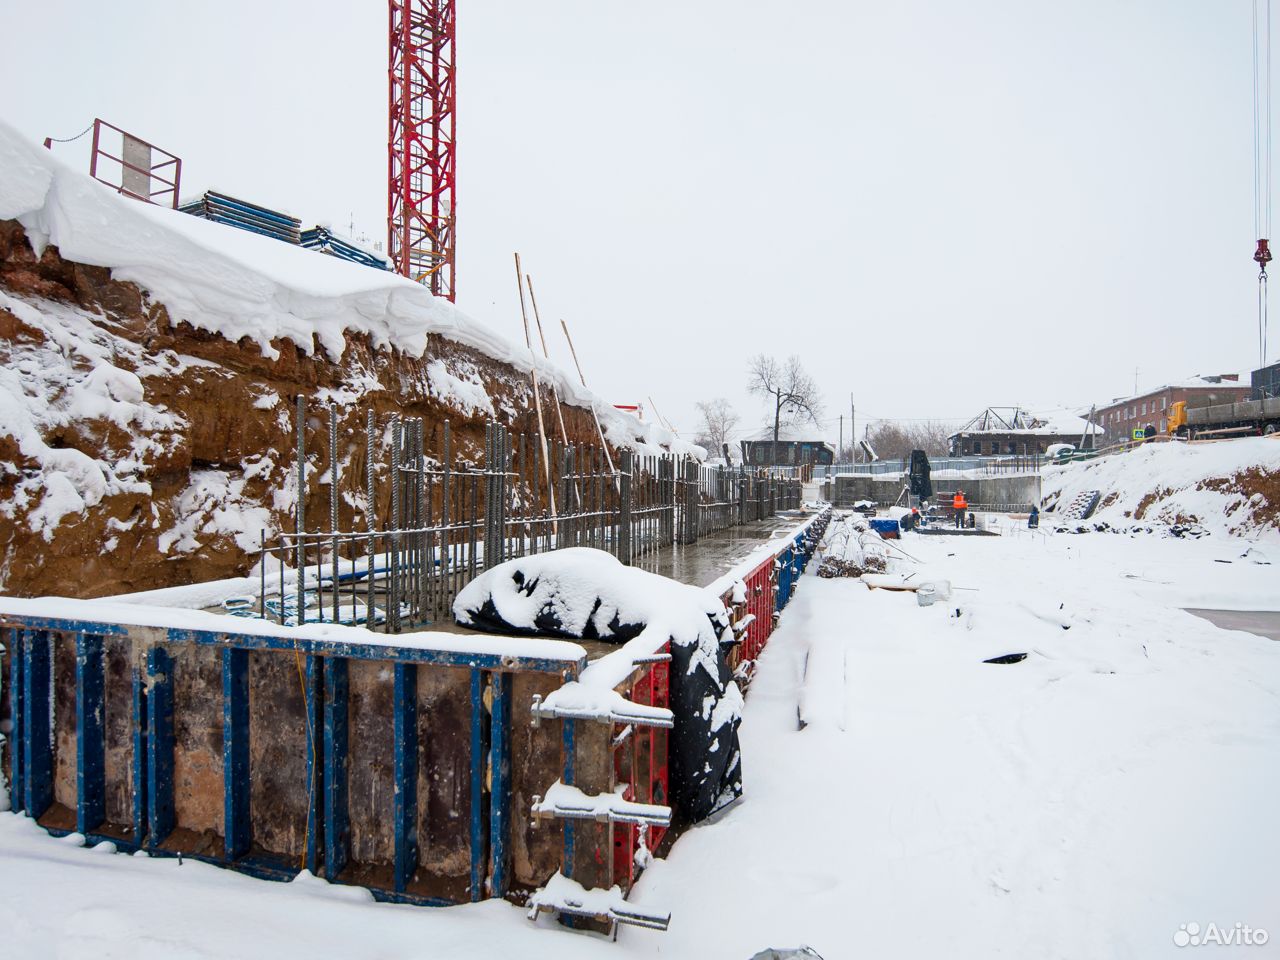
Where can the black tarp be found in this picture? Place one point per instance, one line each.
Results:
(920, 484)
(705, 763)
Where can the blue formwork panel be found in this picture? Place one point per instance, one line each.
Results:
(159, 746)
(500, 783)
(90, 734)
(337, 827)
(182, 680)
(17, 732)
(238, 827)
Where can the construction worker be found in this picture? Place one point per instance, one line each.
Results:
(960, 505)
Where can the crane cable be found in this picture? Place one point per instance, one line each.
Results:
(1262, 159)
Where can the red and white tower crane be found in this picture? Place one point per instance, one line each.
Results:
(421, 143)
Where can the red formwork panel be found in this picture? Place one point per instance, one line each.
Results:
(640, 761)
(756, 609)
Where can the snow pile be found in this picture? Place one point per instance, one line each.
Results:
(214, 504)
(90, 375)
(240, 285)
(1228, 487)
(581, 593)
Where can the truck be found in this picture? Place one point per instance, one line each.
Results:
(1222, 420)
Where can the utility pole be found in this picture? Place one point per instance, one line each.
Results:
(853, 427)
(840, 446)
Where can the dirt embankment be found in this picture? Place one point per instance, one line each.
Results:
(206, 449)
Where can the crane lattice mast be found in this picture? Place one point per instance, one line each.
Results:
(422, 144)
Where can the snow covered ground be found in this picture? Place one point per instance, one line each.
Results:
(1117, 784)
(1225, 486)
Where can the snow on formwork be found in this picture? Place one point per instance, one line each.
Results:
(239, 285)
(1227, 487)
(581, 593)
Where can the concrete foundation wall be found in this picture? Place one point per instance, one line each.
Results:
(993, 492)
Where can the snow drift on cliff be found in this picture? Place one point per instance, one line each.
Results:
(1229, 487)
(240, 285)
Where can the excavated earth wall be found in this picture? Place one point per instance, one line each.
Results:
(165, 449)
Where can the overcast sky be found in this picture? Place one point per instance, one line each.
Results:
(938, 206)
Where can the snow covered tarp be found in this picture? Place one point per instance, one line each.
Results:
(588, 594)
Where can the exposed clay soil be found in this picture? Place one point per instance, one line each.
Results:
(89, 555)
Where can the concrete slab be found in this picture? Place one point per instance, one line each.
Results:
(1262, 623)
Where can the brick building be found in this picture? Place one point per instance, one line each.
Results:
(1123, 415)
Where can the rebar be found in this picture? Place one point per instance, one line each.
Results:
(299, 525)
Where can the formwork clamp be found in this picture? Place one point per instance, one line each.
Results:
(639, 714)
(569, 898)
(566, 802)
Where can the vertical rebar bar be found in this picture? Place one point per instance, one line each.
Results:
(333, 501)
(446, 561)
(370, 516)
(393, 547)
(300, 558)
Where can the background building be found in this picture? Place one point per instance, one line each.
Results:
(1122, 416)
(796, 445)
(1013, 431)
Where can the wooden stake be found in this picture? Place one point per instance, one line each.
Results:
(555, 393)
(537, 401)
(565, 327)
(595, 415)
(661, 419)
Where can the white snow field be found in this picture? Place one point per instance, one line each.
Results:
(1116, 786)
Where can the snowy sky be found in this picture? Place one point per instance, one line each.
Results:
(938, 206)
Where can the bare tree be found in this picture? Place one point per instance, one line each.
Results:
(895, 439)
(718, 421)
(792, 391)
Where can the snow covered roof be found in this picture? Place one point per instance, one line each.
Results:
(1041, 422)
(789, 432)
(241, 285)
(1198, 382)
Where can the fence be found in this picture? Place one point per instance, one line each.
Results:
(451, 517)
(942, 466)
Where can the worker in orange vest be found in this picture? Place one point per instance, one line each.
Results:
(961, 505)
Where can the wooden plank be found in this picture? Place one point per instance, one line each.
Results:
(405, 729)
(238, 825)
(37, 735)
(90, 734)
(337, 827)
(159, 748)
